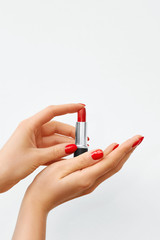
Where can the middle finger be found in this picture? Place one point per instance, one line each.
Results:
(58, 127)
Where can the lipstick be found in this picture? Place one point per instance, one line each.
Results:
(81, 133)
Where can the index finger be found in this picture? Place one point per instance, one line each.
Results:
(51, 111)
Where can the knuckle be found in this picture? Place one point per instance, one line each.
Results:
(57, 152)
(113, 164)
(85, 183)
(23, 123)
(54, 126)
(82, 161)
(72, 132)
(88, 191)
(126, 148)
(50, 107)
(118, 168)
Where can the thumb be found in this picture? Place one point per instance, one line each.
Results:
(52, 154)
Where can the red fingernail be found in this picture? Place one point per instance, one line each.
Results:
(88, 145)
(71, 148)
(97, 154)
(83, 104)
(115, 147)
(137, 142)
(88, 138)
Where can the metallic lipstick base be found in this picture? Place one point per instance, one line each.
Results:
(81, 138)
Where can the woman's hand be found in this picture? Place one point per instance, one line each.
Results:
(71, 178)
(65, 180)
(36, 141)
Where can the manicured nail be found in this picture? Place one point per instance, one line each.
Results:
(97, 154)
(71, 148)
(88, 138)
(83, 104)
(137, 142)
(115, 147)
(88, 145)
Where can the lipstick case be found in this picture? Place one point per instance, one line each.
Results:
(81, 138)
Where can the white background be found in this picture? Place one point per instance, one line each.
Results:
(105, 54)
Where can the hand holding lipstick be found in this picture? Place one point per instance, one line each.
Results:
(66, 180)
(36, 141)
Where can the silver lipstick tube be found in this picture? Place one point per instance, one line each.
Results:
(81, 138)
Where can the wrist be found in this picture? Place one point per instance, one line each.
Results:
(37, 196)
(33, 205)
(4, 179)
(31, 220)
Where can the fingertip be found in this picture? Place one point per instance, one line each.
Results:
(82, 104)
(70, 148)
(137, 142)
(97, 154)
(138, 136)
(110, 148)
(115, 146)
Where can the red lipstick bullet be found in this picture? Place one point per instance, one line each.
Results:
(82, 115)
(81, 133)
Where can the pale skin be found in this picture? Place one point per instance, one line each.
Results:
(36, 141)
(39, 141)
(63, 181)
